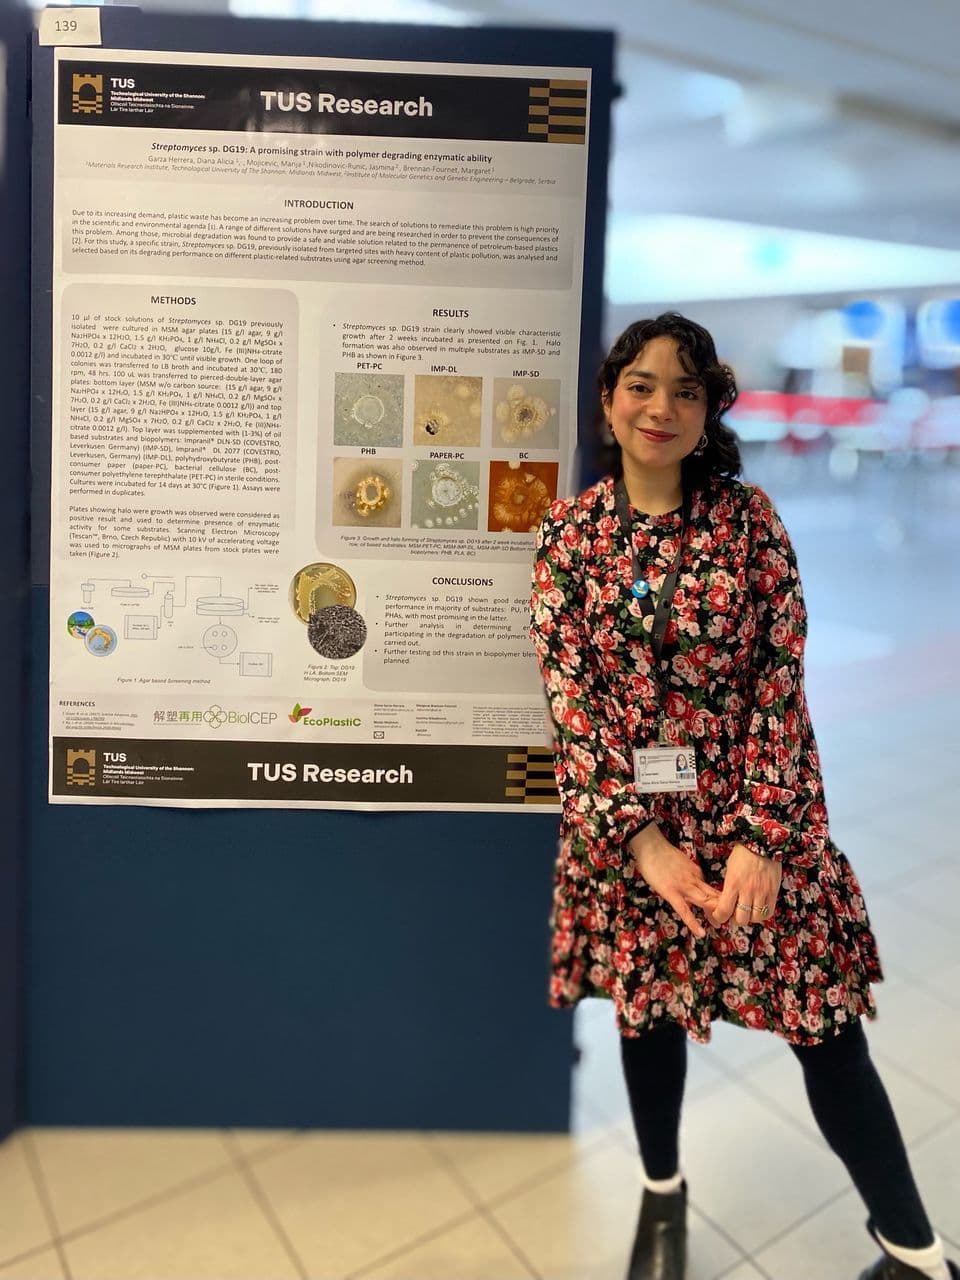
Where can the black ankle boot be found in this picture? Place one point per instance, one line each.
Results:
(660, 1247)
(887, 1268)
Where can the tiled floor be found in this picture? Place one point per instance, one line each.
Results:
(768, 1199)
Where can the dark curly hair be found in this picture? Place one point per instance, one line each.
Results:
(720, 458)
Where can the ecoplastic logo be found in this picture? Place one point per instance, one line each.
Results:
(301, 715)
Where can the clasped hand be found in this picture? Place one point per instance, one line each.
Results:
(750, 883)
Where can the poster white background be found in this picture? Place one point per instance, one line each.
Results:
(305, 374)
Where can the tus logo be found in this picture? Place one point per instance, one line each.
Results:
(298, 713)
(86, 98)
(81, 767)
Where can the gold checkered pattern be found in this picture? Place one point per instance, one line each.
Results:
(86, 98)
(81, 767)
(558, 111)
(530, 776)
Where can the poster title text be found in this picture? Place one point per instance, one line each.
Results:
(329, 103)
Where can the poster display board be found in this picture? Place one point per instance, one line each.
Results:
(316, 328)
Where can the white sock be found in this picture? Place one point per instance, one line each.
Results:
(931, 1261)
(667, 1186)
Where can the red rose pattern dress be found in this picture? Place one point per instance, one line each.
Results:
(732, 679)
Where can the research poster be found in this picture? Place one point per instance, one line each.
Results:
(315, 343)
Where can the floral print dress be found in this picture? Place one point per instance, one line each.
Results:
(731, 687)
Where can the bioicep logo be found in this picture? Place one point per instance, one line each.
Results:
(216, 716)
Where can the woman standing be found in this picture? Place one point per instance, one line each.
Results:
(696, 877)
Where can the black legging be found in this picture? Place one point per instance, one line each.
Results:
(849, 1104)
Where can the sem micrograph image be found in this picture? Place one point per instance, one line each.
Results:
(526, 412)
(520, 493)
(368, 409)
(446, 410)
(366, 493)
(445, 495)
(336, 631)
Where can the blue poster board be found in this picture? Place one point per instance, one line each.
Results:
(14, 559)
(291, 968)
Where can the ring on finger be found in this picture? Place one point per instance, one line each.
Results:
(744, 906)
(762, 912)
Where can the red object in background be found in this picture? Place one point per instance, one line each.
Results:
(800, 423)
(809, 410)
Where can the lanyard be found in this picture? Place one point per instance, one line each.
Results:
(668, 589)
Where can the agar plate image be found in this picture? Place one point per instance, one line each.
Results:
(366, 493)
(445, 495)
(526, 412)
(100, 640)
(317, 585)
(520, 493)
(368, 409)
(446, 410)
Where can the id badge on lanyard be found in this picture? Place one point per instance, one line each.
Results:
(666, 767)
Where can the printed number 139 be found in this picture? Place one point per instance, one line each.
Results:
(66, 24)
